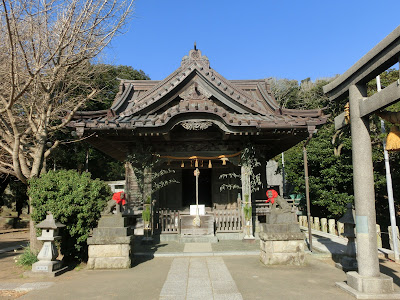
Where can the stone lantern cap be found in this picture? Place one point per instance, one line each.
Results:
(348, 217)
(49, 223)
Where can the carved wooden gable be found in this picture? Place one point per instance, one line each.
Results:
(196, 91)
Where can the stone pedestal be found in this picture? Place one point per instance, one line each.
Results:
(111, 244)
(365, 287)
(281, 241)
(47, 259)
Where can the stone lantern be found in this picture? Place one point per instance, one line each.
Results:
(48, 264)
(348, 262)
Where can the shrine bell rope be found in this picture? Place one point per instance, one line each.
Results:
(201, 157)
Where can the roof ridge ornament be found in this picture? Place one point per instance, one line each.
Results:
(195, 56)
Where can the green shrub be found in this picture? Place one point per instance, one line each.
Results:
(27, 258)
(75, 200)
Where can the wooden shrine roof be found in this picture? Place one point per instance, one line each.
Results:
(196, 97)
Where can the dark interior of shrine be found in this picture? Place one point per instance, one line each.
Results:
(189, 188)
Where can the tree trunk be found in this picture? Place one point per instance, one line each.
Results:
(34, 243)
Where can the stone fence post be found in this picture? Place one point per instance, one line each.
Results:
(391, 237)
(316, 224)
(331, 226)
(379, 235)
(324, 224)
(340, 228)
(305, 221)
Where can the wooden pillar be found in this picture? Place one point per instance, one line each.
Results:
(246, 191)
(147, 184)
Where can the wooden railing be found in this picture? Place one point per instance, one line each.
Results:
(229, 220)
(167, 221)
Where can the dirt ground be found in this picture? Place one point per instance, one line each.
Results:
(9, 270)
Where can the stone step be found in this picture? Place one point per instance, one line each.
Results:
(113, 221)
(198, 239)
(112, 231)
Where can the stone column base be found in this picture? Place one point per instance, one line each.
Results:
(369, 287)
(115, 256)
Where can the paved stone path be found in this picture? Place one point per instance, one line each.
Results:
(25, 287)
(197, 247)
(199, 278)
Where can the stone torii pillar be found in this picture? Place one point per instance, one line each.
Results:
(364, 192)
(368, 282)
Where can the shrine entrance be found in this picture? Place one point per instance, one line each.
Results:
(189, 188)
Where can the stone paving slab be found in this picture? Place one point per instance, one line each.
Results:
(197, 247)
(206, 278)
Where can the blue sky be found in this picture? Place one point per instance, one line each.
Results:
(254, 39)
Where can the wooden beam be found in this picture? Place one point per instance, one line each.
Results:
(378, 101)
(167, 136)
(225, 136)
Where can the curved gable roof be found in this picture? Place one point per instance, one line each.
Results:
(196, 91)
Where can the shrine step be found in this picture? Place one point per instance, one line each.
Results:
(198, 239)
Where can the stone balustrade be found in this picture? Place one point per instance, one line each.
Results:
(337, 228)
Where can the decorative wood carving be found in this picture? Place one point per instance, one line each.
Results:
(196, 125)
(195, 92)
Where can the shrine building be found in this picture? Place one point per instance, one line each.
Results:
(196, 118)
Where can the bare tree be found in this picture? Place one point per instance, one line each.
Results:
(46, 51)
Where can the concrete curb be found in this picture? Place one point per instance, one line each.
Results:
(181, 254)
